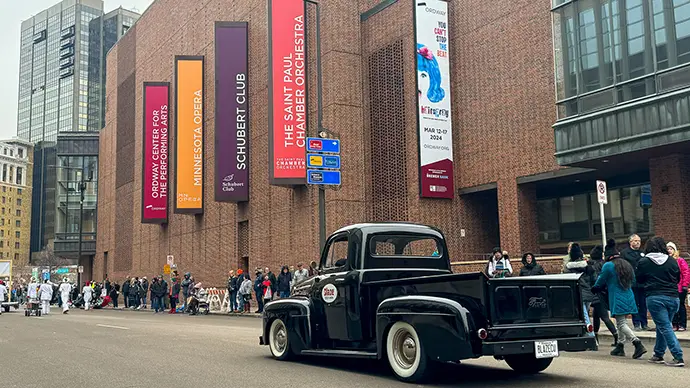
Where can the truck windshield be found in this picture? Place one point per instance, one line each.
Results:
(406, 246)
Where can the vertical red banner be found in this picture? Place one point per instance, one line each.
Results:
(155, 187)
(288, 92)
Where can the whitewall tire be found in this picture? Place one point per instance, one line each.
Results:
(405, 353)
(278, 340)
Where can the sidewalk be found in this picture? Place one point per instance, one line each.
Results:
(648, 337)
(217, 313)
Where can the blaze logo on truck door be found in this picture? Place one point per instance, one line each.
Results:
(329, 293)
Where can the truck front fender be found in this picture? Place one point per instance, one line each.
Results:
(296, 314)
(443, 325)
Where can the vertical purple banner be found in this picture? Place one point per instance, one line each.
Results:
(232, 113)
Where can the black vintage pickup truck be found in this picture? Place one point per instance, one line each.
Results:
(386, 291)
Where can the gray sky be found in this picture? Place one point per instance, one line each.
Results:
(12, 13)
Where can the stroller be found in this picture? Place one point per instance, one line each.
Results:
(198, 301)
(33, 307)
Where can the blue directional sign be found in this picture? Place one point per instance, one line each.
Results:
(323, 161)
(323, 177)
(315, 144)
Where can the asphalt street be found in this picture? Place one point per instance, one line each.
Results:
(139, 349)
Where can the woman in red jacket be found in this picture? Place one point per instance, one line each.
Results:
(680, 320)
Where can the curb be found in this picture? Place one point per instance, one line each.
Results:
(605, 338)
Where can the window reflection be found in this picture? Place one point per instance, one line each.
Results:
(629, 210)
(633, 39)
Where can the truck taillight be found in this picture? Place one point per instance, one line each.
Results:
(482, 334)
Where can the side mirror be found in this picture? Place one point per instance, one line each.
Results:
(313, 265)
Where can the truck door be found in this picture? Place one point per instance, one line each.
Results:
(337, 291)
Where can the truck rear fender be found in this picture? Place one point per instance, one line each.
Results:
(296, 314)
(443, 325)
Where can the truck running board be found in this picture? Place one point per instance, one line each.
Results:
(339, 353)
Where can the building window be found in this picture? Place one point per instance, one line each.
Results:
(16, 245)
(576, 218)
(3, 210)
(2, 233)
(2, 245)
(16, 256)
(19, 191)
(17, 234)
(2, 222)
(19, 213)
(4, 188)
(3, 199)
(18, 224)
(19, 175)
(20, 152)
(19, 202)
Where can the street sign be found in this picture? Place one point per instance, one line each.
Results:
(323, 161)
(315, 144)
(62, 270)
(166, 269)
(171, 260)
(80, 269)
(602, 196)
(46, 275)
(323, 177)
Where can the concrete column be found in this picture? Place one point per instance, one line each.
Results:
(517, 214)
(669, 176)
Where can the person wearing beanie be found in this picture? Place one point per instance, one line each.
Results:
(600, 306)
(659, 274)
(680, 320)
(566, 258)
(617, 277)
(499, 264)
(578, 265)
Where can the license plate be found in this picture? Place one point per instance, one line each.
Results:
(546, 349)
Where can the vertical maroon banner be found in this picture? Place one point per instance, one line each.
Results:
(287, 92)
(154, 184)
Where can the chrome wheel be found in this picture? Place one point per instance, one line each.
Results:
(404, 348)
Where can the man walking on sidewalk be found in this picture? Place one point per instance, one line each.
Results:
(632, 254)
(659, 274)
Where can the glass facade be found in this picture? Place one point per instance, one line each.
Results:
(576, 217)
(77, 179)
(61, 90)
(609, 52)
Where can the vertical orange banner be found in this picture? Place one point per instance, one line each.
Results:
(189, 134)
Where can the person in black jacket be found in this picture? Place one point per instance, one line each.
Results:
(259, 290)
(578, 264)
(114, 294)
(659, 274)
(157, 292)
(232, 287)
(125, 290)
(632, 254)
(530, 266)
(284, 281)
(600, 306)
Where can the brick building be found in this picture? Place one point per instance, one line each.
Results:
(525, 165)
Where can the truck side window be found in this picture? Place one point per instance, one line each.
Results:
(337, 253)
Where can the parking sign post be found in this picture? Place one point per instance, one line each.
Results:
(602, 198)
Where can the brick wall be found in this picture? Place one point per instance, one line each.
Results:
(669, 176)
(502, 89)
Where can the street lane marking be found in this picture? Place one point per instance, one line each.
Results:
(113, 327)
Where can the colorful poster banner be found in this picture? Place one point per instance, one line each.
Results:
(155, 164)
(232, 113)
(288, 92)
(433, 100)
(189, 134)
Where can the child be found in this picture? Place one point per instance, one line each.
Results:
(268, 293)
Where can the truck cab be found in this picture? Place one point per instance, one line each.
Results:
(387, 291)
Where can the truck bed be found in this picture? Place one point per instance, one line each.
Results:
(547, 306)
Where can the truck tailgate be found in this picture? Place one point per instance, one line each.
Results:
(535, 307)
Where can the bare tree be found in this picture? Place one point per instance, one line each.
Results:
(47, 258)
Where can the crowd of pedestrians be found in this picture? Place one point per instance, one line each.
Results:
(634, 282)
(265, 286)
